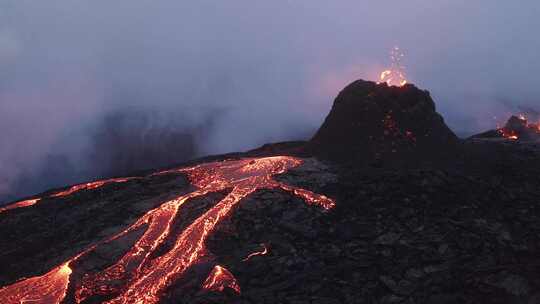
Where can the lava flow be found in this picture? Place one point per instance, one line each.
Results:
(144, 279)
(256, 253)
(71, 190)
(21, 204)
(91, 185)
(395, 76)
(219, 279)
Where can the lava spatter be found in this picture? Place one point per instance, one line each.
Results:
(145, 279)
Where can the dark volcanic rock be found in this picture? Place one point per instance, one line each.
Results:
(515, 128)
(466, 233)
(516, 124)
(371, 122)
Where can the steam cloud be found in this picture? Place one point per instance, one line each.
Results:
(90, 88)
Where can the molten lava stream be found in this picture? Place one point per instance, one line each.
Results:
(91, 185)
(48, 288)
(159, 223)
(21, 204)
(145, 279)
(71, 190)
(52, 288)
(162, 271)
(256, 253)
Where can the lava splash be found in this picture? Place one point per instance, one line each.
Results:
(145, 279)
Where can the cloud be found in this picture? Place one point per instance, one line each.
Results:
(10, 46)
(270, 70)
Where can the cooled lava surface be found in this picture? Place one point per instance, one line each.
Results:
(331, 220)
(146, 278)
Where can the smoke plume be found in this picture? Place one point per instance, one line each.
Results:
(90, 88)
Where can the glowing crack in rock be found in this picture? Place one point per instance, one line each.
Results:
(256, 253)
(143, 279)
(219, 279)
(395, 75)
(71, 190)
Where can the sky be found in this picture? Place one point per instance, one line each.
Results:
(232, 75)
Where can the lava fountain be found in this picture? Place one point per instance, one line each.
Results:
(395, 75)
(144, 279)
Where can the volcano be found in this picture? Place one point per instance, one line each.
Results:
(361, 213)
(371, 122)
(516, 128)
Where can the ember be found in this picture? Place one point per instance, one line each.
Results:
(144, 278)
(395, 75)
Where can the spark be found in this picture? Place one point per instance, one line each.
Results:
(395, 75)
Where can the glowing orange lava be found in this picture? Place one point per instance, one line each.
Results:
(219, 279)
(71, 190)
(52, 288)
(90, 186)
(144, 279)
(20, 204)
(527, 127)
(48, 288)
(256, 253)
(512, 135)
(395, 75)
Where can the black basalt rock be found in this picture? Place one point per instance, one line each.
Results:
(375, 123)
